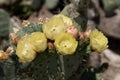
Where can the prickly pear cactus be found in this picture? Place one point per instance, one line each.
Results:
(49, 65)
(41, 55)
(46, 56)
(52, 66)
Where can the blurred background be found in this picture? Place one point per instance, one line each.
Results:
(102, 14)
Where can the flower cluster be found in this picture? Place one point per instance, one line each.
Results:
(29, 45)
(59, 33)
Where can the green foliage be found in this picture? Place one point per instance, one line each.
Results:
(4, 23)
(84, 46)
(32, 27)
(9, 70)
(52, 66)
(81, 22)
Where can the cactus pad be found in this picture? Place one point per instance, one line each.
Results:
(32, 27)
(4, 23)
(52, 66)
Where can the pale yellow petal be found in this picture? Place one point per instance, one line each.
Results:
(98, 41)
(66, 44)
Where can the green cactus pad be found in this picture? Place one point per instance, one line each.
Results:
(52, 66)
(4, 23)
(32, 27)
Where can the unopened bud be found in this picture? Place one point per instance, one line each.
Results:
(3, 55)
(73, 31)
(14, 38)
(87, 33)
(10, 50)
(50, 45)
(81, 36)
(47, 19)
(40, 21)
(25, 23)
(15, 30)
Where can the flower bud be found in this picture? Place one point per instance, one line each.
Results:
(25, 23)
(14, 38)
(50, 45)
(3, 55)
(10, 50)
(87, 33)
(73, 31)
(81, 36)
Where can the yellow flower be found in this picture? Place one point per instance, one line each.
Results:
(67, 21)
(39, 40)
(53, 28)
(29, 45)
(25, 50)
(98, 41)
(66, 44)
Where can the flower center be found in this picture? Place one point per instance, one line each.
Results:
(65, 44)
(53, 29)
